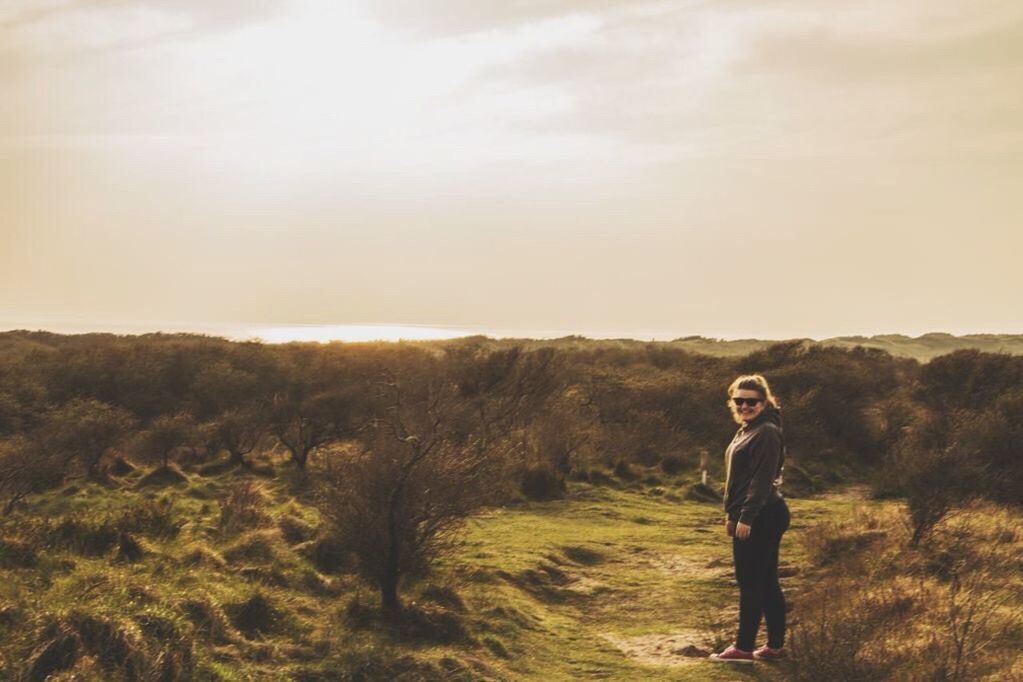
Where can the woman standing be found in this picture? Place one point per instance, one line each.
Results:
(756, 517)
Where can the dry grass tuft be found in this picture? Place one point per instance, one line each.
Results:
(445, 596)
(586, 556)
(294, 530)
(255, 616)
(209, 618)
(201, 555)
(17, 553)
(243, 505)
(254, 546)
(163, 477)
(327, 554)
(151, 647)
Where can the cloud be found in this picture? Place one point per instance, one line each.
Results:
(31, 29)
(433, 19)
(781, 79)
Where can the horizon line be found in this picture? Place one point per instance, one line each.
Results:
(366, 332)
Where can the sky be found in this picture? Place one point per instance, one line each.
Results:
(726, 168)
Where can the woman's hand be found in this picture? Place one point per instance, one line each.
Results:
(729, 527)
(742, 530)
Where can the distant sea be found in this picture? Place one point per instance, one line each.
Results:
(386, 331)
(318, 332)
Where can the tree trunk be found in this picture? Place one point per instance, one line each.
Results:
(391, 572)
(389, 601)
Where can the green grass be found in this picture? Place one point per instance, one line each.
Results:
(605, 576)
(584, 587)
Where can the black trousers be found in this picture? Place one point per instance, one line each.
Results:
(756, 570)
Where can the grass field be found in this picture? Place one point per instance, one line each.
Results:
(620, 584)
(614, 582)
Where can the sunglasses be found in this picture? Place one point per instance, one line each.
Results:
(752, 402)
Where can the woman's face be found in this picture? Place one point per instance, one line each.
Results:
(748, 410)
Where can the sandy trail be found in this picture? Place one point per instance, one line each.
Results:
(672, 649)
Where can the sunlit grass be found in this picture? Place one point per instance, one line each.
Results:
(583, 587)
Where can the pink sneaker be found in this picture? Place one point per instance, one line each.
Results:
(733, 655)
(766, 653)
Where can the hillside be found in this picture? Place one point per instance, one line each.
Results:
(922, 348)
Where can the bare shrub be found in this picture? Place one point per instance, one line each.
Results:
(934, 482)
(969, 611)
(973, 607)
(396, 507)
(843, 632)
(437, 452)
(26, 469)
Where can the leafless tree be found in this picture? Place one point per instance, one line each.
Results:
(84, 430)
(303, 423)
(435, 454)
(237, 430)
(166, 434)
(25, 469)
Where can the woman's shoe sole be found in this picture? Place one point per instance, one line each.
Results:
(729, 660)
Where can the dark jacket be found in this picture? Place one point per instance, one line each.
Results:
(753, 464)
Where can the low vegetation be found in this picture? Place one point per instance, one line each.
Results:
(179, 507)
(882, 603)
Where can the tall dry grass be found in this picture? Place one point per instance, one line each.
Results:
(879, 607)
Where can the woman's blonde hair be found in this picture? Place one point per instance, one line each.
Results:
(751, 382)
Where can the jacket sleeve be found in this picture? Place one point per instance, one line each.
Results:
(765, 455)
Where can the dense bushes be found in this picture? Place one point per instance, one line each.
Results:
(77, 398)
(962, 438)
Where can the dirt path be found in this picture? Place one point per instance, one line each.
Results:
(626, 584)
(671, 649)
